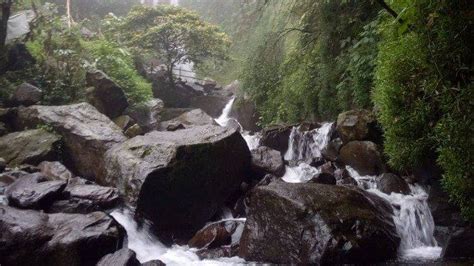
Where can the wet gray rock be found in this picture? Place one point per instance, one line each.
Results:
(331, 151)
(390, 183)
(324, 178)
(154, 263)
(178, 96)
(34, 192)
(106, 95)
(277, 137)
(123, 257)
(193, 170)
(211, 104)
(319, 224)
(148, 115)
(55, 170)
(245, 111)
(34, 238)
(29, 147)
(267, 161)
(26, 95)
(356, 125)
(459, 244)
(189, 119)
(344, 178)
(87, 134)
(363, 156)
(3, 129)
(217, 234)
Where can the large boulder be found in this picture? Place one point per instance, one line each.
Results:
(34, 238)
(445, 213)
(363, 156)
(460, 244)
(317, 224)
(123, 257)
(189, 119)
(148, 115)
(29, 147)
(26, 95)
(277, 137)
(211, 104)
(192, 170)
(106, 95)
(34, 192)
(357, 125)
(177, 96)
(87, 134)
(267, 161)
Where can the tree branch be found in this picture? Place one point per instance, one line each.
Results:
(390, 10)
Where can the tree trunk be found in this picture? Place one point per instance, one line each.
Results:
(6, 12)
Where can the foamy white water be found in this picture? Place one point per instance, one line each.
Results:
(309, 144)
(224, 118)
(412, 217)
(148, 247)
(300, 174)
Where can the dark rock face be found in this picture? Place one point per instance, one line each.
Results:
(3, 164)
(363, 156)
(124, 122)
(55, 170)
(267, 161)
(211, 104)
(192, 170)
(3, 129)
(388, 183)
(356, 125)
(106, 95)
(331, 151)
(26, 95)
(460, 244)
(29, 147)
(123, 257)
(154, 263)
(86, 133)
(276, 137)
(324, 178)
(444, 212)
(320, 224)
(344, 178)
(245, 112)
(34, 238)
(34, 192)
(189, 119)
(179, 96)
(149, 115)
(104, 197)
(217, 234)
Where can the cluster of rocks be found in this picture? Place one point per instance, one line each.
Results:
(64, 168)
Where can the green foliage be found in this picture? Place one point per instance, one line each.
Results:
(118, 64)
(174, 35)
(63, 56)
(424, 94)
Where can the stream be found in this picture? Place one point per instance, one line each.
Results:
(412, 216)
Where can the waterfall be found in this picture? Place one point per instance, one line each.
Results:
(253, 141)
(148, 247)
(309, 144)
(224, 118)
(412, 215)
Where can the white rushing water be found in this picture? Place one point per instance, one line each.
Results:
(253, 141)
(304, 145)
(148, 247)
(412, 215)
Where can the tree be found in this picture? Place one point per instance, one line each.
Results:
(175, 36)
(6, 12)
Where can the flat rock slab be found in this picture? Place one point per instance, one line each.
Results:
(87, 134)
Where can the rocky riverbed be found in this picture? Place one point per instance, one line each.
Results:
(181, 181)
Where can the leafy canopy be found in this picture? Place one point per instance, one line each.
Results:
(175, 35)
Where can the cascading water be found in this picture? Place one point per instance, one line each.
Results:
(148, 247)
(253, 141)
(412, 215)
